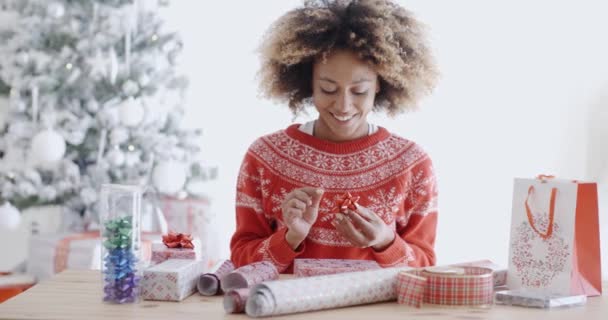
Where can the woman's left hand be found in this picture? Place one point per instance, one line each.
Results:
(364, 228)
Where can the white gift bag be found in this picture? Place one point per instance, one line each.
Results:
(555, 242)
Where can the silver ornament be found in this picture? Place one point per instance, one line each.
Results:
(116, 157)
(92, 106)
(23, 58)
(119, 135)
(56, 10)
(144, 80)
(130, 88)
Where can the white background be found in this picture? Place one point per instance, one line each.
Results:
(524, 91)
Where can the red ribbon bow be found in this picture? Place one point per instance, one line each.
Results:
(346, 201)
(178, 240)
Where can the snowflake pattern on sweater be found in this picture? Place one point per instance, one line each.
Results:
(393, 177)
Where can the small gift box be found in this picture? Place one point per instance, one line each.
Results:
(176, 246)
(315, 267)
(539, 299)
(171, 280)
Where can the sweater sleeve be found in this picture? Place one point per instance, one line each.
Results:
(415, 231)
(256, 237)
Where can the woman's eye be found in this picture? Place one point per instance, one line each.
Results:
(328, 91)
(360, 93)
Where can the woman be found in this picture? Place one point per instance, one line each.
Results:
(346, 58)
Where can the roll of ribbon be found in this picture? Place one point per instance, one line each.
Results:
(410, 289)
(235, 300)
(465, 286)
(209, 283)
(249, 275)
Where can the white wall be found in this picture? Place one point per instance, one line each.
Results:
(521, 81)
(519, 78)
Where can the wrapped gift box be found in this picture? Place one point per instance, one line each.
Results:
(193, 216)
(315, 267)
(171, 280)
(52, 253)
(161, 253)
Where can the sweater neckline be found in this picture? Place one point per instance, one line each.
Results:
(337, 147)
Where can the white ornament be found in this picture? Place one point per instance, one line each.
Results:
(10, 218)
(116, 157)
(4, 105)
(130, 88)
(113, 66)
(132, 158)
(23, 58)
(131, 112)
(92, 105)
(144, 80)
(169, 177)
(47, 148)
(56, 10)
(119, 135)
(99, 65)
(108, 117)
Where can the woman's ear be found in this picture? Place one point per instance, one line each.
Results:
(378, 86)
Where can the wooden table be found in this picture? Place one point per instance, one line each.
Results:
(77, 295)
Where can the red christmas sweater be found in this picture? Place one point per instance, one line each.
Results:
(392, 176)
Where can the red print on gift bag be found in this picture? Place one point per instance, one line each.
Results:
(540, 229)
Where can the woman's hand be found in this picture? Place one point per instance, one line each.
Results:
(300, 211)
(364, 228)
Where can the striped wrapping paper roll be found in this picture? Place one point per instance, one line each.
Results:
(448, 286)
(249, 275)
(209, 283)
(322, 292)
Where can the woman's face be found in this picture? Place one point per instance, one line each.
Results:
(344, 88)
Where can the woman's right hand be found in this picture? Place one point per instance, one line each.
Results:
(300, 211)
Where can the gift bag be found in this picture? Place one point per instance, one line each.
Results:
(555, 243)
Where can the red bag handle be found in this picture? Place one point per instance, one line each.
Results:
(549, 232)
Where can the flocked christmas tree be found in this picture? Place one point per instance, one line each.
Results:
(93, 98)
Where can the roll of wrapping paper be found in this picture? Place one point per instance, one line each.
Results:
(249, 275)
(449, 286)
(234, 300)
(209, 283)
(323, 292)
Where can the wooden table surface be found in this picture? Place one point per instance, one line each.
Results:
(77, 295)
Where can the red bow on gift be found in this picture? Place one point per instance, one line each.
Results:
(178, 240)
(346, 201)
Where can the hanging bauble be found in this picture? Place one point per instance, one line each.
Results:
(133, 157)
(130, 88)
(119, 135)
(56, 10)
(10, 218)
(131, 112)
(23, 58)
(144, 80)
(169, 177)
(92, 105)
(116, 157)
(47, 147)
